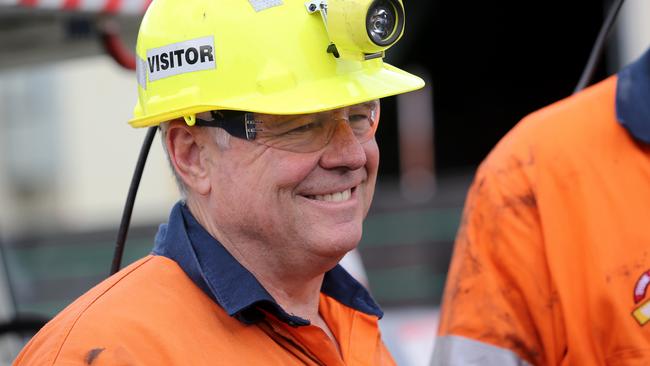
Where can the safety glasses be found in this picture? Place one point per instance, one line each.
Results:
(297, 133)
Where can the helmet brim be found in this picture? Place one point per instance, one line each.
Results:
(340, 90)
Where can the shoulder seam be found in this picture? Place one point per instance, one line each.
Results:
(87, 306)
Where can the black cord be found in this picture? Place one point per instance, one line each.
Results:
(24, 324)
(130, 200)
(7, 273)
(597, 50)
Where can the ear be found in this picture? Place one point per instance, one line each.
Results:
(185, 146)
(378, 111)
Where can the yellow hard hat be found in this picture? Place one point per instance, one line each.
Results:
(265, 56)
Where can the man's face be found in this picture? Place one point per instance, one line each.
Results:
(295, 203)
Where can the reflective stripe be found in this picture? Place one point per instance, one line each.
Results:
(461, 351)
(51, 4)
(130, 7)
(91, 5)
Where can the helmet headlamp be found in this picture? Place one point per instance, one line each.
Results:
(360, 29)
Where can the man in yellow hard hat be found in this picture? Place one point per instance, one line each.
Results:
(268, 110)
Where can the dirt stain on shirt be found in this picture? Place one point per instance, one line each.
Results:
(92, 355)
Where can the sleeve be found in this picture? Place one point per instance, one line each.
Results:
(499, 307)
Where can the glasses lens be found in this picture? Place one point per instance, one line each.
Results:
(312, 132)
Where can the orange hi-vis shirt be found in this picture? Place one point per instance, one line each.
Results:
(156, 312)
(552, 260)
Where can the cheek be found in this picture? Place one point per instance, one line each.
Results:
(372, 166)
(290, 171)
(372, 155)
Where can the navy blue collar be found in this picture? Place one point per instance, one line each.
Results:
(633, 98)
(232, 286)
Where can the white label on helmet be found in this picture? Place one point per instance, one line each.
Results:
(180, 58)
(141, 72)
(260, 5)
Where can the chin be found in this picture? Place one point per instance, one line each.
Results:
(336, 247)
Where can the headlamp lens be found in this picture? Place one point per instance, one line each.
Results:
(384, 22)
(381, 22)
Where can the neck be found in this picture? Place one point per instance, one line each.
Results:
(294, 284)
(297, 297)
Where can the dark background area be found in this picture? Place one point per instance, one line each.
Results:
(491, 63)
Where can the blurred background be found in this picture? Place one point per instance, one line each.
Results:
(67, 153)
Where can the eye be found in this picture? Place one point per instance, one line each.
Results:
(360, 122)
(309, 127)
(359, 118)
(363, 115)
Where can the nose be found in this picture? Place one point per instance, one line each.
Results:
(343, 150)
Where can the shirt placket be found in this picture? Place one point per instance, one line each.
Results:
(311, 341)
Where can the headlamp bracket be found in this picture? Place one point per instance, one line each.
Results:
(320, 6)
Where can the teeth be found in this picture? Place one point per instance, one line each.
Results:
(334, 197)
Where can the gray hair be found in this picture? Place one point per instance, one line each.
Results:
(221, 139)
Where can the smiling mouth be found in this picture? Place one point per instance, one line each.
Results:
(333, 197)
